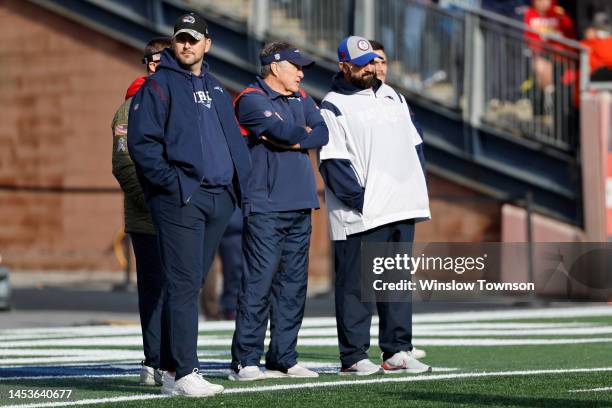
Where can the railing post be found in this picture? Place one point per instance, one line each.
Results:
(585, 71)
(529, 227)
(157, 15)
(259, 18)
(364, 23)
(474, 80)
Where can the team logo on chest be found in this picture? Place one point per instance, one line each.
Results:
(202, 97)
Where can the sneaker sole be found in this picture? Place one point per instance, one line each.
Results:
(361, 373)
(165, 391)
(280, 374)
(178, 394)
(174, 393)
(236, 377)
(407, 371)
(275, 374)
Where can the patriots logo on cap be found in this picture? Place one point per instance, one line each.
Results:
(363, 45)
(189, 19)
(277, 56)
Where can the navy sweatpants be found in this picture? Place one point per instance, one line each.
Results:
(274, 285)
(354, 317)
(188, 238)
(149, 282)
(232, 262)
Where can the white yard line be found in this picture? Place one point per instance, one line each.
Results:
(603, 389)
(204, 341)
(322, 368)
(66, 352)
(326, 384)
(541, 313)
(318, 331)
(506, 342)
(420, 330)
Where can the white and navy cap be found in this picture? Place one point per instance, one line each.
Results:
(191, 24)
(356, 50)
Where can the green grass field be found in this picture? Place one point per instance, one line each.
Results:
(528, 357)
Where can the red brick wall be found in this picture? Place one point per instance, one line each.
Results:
(60, 84)
(459, 214)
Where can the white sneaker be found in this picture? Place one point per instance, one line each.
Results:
(150, 375)
(194, 385)
(248, 373)
(418, 353)
(404, 362)
(167, 384)
(297, 371)
(362, 367)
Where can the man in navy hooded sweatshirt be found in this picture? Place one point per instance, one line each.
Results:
(193, 165)
(282, 123)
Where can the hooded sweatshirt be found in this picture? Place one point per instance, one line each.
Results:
(183, 133)
(373, 166)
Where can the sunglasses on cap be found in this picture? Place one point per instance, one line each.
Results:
(154, 57)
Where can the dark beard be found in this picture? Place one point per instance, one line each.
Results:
(363, 82)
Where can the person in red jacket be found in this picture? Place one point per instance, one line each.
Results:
(546, 20)
(598, 39)
(545, 17)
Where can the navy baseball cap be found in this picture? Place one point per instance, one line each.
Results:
(292, 55)
(357, 50)
(191, 24)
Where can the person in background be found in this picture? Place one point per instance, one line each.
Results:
(138, 224)
(598, 39)
(547, 20)
(232, 264)
(380, 63)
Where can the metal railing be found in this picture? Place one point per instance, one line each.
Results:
(316, 24)
(475, 62)
(425, 47)
(529, 87)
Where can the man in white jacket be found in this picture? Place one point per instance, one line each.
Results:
(375, 190)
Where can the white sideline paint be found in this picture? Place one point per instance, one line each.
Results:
(309, 341)
(317, 365)
(326, 384)
(65, 352)
(477, 332)
(540, 313)
(603, 389)
(422, 329)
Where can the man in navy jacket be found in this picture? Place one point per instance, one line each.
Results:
(281, 123)
(193, 165)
